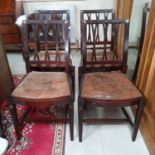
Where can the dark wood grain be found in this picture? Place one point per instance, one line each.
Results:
(6, 83)
(8, 29)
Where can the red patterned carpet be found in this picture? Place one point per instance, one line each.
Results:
(40, 136)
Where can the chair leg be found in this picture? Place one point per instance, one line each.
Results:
(13, 112)
(71, 119)
(73, 79)
(80, 116)
(139, 112)
(79, 76)
(1, 126)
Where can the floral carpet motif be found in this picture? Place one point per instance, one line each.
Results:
(40, 135)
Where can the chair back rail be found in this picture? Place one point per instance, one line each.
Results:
(101, 14)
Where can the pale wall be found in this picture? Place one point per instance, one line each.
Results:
(79, 5)
(136, 18)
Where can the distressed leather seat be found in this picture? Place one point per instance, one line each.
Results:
(108, 86)
(47, 85)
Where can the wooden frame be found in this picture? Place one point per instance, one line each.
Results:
(146, 80)
(123, 11)
(6, 82)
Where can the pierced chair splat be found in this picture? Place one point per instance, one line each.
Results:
(103, 82)
(90, 15)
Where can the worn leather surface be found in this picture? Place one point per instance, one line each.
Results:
(6, 84)
(108, 86)
(43, 85)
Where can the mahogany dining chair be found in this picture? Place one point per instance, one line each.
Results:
(104, 82)
(50, 88)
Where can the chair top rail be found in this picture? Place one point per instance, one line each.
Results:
(98, 11)
(110, 21)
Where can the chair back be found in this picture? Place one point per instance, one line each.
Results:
(43, 46)
(50, 15)
(100, 46)
(100, 14)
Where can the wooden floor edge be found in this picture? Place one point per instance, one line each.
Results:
(148, 138)
(145, 132)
